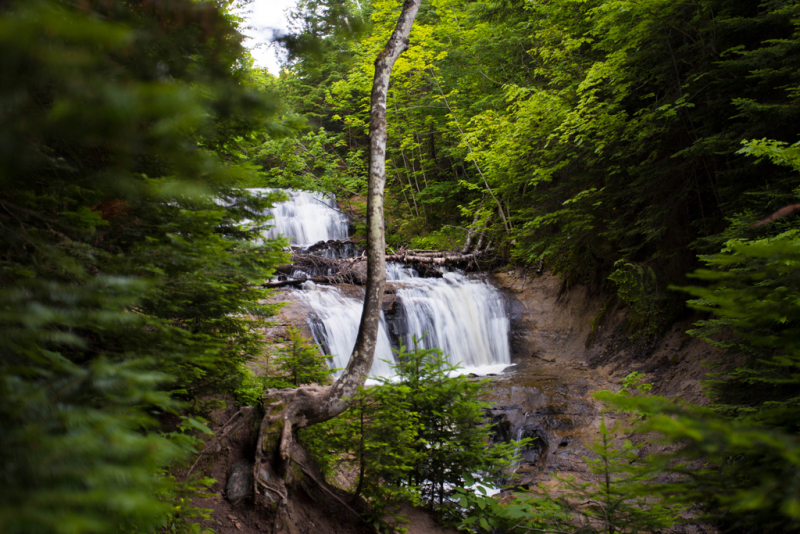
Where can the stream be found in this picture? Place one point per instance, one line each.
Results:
(467, 316)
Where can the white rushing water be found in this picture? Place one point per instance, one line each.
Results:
(306, 218)
(336, 327)
(463, 316)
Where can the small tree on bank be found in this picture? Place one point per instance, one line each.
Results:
(453, 437)
(418, 436)
(302, 362)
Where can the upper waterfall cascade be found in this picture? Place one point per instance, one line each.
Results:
(464, 316)
(307, 218)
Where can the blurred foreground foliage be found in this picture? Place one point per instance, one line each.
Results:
(741, 472)
(129, 284)
(739, 459)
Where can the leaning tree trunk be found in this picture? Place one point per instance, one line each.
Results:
(278, 455)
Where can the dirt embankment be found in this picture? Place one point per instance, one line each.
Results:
(314, 510)
(564, 354)
(556, 327)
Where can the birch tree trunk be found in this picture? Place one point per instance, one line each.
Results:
(277, 450)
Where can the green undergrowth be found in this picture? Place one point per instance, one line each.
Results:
(416, 437)
(447, 238)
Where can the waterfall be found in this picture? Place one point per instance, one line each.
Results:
(306, 218)
(335, 327)
(465, 317)
(398, 271)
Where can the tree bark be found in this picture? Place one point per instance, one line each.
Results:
(287, 410)
(337, 399)
(471, 230)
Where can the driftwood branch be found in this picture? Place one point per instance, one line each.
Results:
(783, 212)
(224, 431)
(322, 486)
(346, 214)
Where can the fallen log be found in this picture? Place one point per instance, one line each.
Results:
(437, 258)
(298, 282)
(353, 270)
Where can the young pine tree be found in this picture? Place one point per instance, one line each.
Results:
(419, 436)
(301, 362)
(453, 436)
(619, 501)
(376, 439)
(622, 500)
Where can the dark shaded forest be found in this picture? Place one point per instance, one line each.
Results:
(129, 276)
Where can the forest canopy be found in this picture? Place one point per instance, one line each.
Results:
(647, 149)
(592, 135)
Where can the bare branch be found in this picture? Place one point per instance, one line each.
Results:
(338, 395)
(329, 492)
(783, 212)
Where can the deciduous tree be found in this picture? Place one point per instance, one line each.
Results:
(286, 412)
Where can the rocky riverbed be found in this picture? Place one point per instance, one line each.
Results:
(558, 363)
(537, 400)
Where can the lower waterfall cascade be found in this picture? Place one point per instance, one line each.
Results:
(335, 327)
(463, 316)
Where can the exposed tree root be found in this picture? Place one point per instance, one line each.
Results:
(224, 432)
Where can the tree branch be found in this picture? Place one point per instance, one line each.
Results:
(337, 397)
